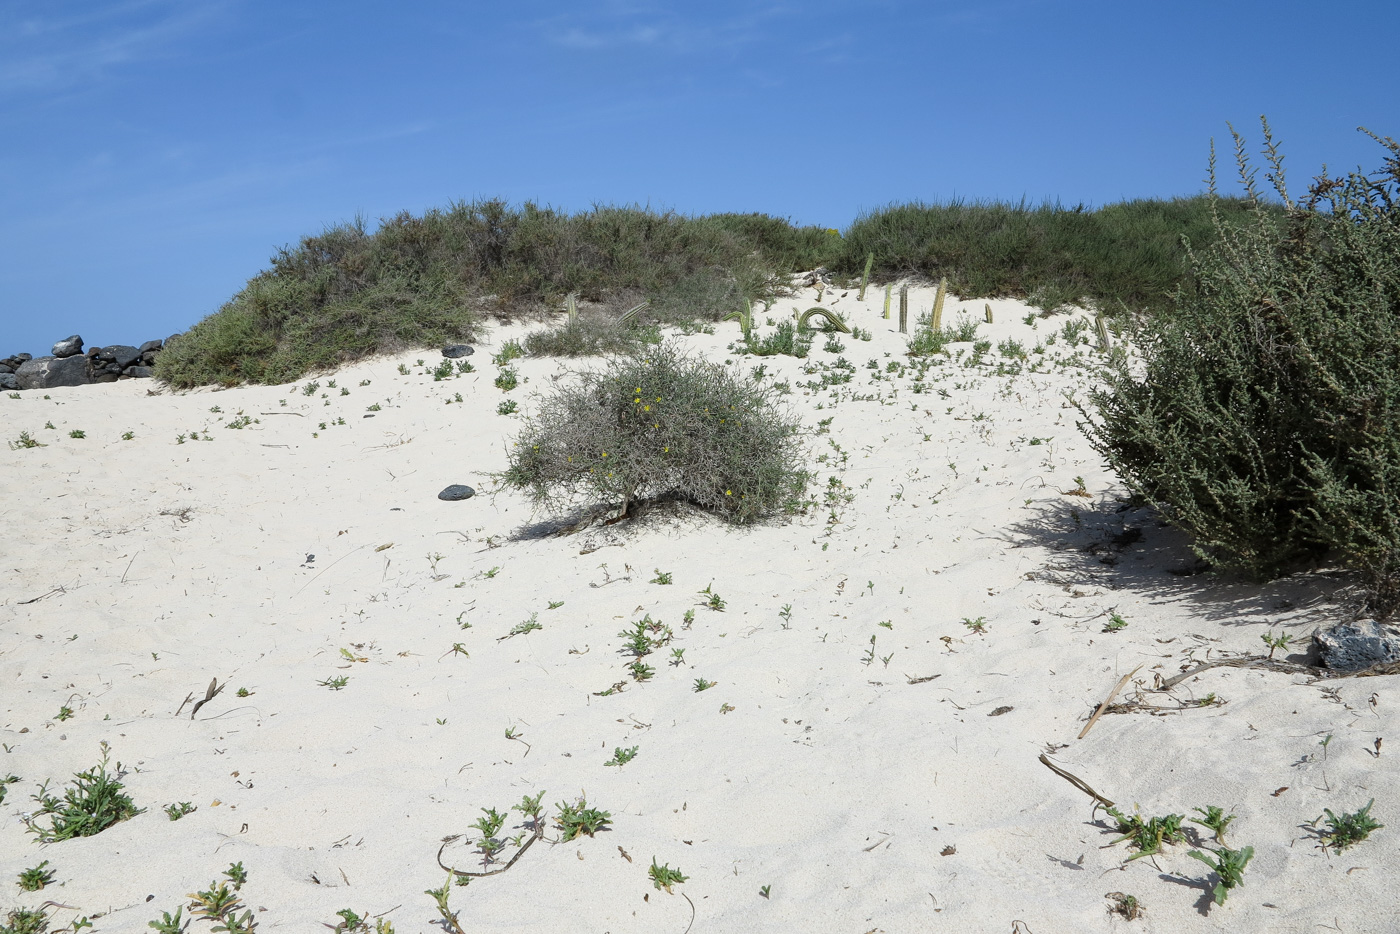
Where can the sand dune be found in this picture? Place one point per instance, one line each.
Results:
(885, 787)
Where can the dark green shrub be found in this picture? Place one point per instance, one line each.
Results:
(419, 281)
(657, 422)
(1129, 253)
(1264, 415)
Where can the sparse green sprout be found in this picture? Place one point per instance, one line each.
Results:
(1214, 819)
(641, 671)
(763, 890)
(344, 391)
(579, 818)
(677, 657)
(785, 614)
(127, 435)
(7, 780)
(459, 649)
(26, 921)
(25, 441)
(622, 756)
(978, 625)
(1146, 836)
(1115, 623)
(336, 683)
(1126, 905)
(530, 807)
(491, 573)
(507, 407)
(170, 924)
(349, 921)
(310, 389)
(374, 408)
(687, 618)
(403, 369)
(555, 604)
(1349, 829)
(64, 713)
(214, 902)
(440, 895)
(662, 577)
(1229, 868)
(243, 692)
(713, 600)
(529, 625)
(32, 880)
(177, 811)
(702, 685)
(507, 379)
(236, 874)
(1276, 642)
(663, 876)
(95, 802)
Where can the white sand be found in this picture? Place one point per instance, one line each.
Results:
(837, 783)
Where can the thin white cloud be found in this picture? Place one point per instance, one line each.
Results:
(659, 26)
(50, 46)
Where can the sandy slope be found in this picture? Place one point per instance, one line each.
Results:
(866, 802)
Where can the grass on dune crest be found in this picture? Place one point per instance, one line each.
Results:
(423, 280)
(1129, 253)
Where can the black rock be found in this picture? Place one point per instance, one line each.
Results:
(457, 491)
(1357, 645)
(49, 372)
(9, 381)
(453, 351)
(151, 345)
(22, 358)
(137, 372)
(6, 368)
(68, 347)
(118, 356)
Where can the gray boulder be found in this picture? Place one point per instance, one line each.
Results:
(151, 345)
(1357, 645)
(118, 356)
(68, 347)
(137, 372)
(452, 351)
(51, 372)
(457, 491)
(9, 381)
(6, 368)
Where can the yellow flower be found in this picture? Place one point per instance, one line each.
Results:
(605, 453)
(646, 408)
(728, 492)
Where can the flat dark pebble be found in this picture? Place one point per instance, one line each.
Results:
(457, 350)
(457, 491)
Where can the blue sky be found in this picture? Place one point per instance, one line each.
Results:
(156, 152)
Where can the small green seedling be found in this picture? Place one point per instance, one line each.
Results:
(236, 874)
(1275, 643)
(7, 780)
(32, 880)
(1229, 868)
(171, 924)
(677, 657)
(1348, 829)
(349, 921)
(662, 577)
(95, 802)
(243, 692)
(1146, 836)
(764, 890)
(529, 625)
(555, 604)
(531, 808)
(579, 818)
(336, 683)
(640, 670)
(128, 435)
(702, 685)
(440, 896)
(622, 756)
(507, 407)
(978, 625)
(63, 714)
(177, 811)
(1126, 905)
(77, 433)
(713, 600)
(26, 921)
(663, 876)
(687, 618)
(491, 573)
(1115, 623)
(1214, 819)
(785, 614)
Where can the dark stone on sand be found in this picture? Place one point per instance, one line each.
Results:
(50, 372)
(8, 381)
(151, 345)
(137, 372)
(457, 491)
(1357, 645)
(453, 351)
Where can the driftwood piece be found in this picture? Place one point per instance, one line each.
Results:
(1106, 701)
(1075, 781)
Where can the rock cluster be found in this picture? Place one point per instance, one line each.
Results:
(1356, 645)
(70, 366)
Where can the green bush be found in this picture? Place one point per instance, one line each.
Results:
(657, 423)
(1264, 415)
(589, 335)
(419, 281)
(1129, 253)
